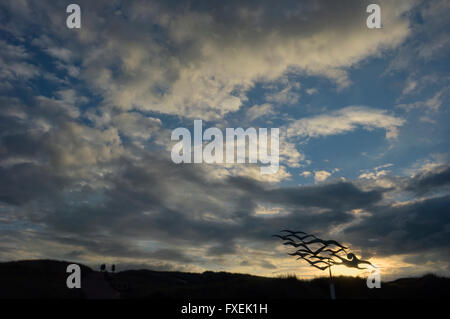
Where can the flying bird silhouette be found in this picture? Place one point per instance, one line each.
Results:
(325, 242)
(294, 234)
(282, 237)
(351, 261)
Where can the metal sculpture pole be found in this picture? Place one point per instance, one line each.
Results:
(332, 292)
(325, 254)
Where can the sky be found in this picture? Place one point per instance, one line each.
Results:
(86, 117)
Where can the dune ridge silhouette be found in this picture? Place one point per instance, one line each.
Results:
(45, 279)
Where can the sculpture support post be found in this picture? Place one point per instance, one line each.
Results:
(332, 292)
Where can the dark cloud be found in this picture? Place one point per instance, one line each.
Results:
(340, 196)
(415, 227)
(143, 200)
(22, 183)
(268, 265)
(435, 179)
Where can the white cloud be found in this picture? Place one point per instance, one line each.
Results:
(305, 174)
(432, 104)
(287, 95)
(430, 164)
(373, 175)
(311, 91)
(321, 176)
(410, 86)
(257, 111)
(136, 125)
(346, 120)
(289, 153)
(220, 171)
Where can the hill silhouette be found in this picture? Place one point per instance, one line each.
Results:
(47, 279)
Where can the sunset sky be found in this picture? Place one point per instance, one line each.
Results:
(86, 117)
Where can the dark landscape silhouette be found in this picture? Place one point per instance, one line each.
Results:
(47, 279)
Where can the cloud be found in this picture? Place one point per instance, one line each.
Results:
(136, 125)
(431, 105)
(195, 65)
(15, 64)
(437, 43)
(373, 175)
(346, 120)
(312, 91)
(287, 95)
(306, 173)
(413, 228)
(321, 176)
(436, 179)
(153, 199)
(432, 41)
(25, 182)
(410, 86)
(150, 211)
(257, 111)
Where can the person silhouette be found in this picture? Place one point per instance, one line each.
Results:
(113, 268)
(102, 267)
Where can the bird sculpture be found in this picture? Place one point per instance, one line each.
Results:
(327, 254)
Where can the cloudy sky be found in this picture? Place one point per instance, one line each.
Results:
(86, 117)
